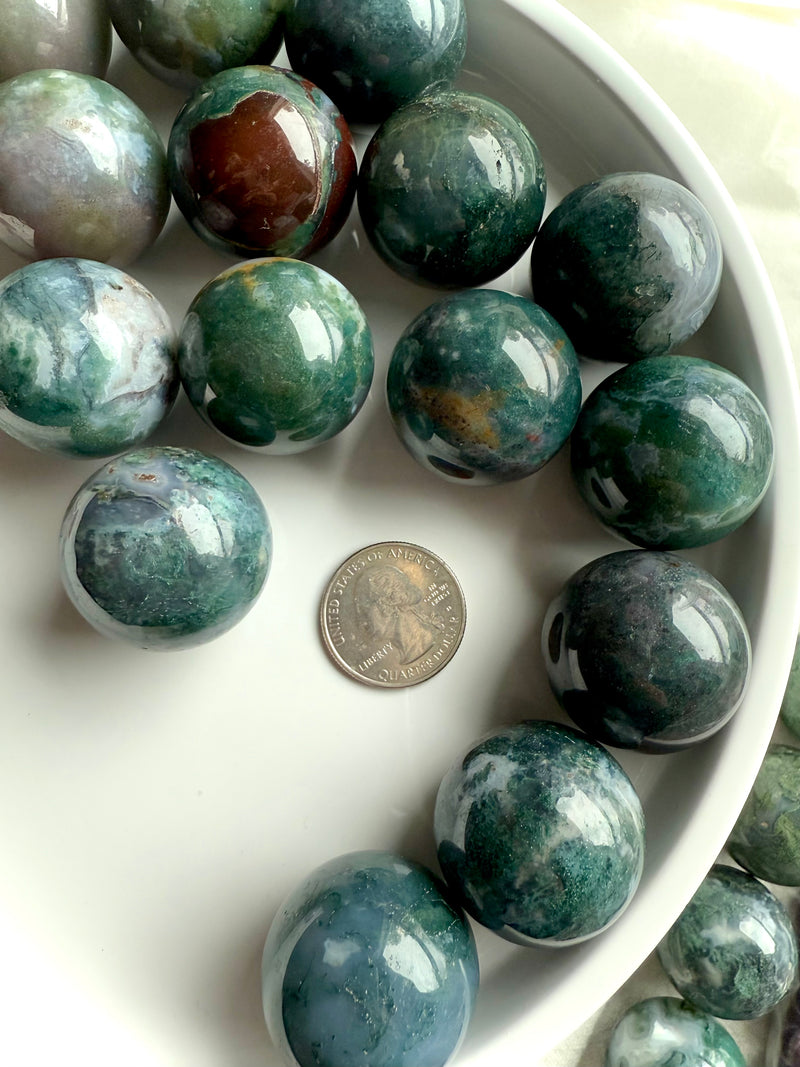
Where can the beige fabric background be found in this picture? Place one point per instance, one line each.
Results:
(730, 70)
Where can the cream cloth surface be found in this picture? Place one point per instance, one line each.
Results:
(730, 71)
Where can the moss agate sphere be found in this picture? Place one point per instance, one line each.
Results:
(540, 834)
(451, 189)
(186, 41)
(373, 58)
(82, 169)
(732, 952)
(87, 358)
(276, 354)
(766, 837)
(484, 386)
(165, 548)
(667, 1032)
(262, 163)
(646, 650)
(69, 35)
(369, 963)
(630, 265)
(672, 452)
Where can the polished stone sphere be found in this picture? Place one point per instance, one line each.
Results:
(630, 265)
(69, 35)
(166, 548)
(262, 163)
(368, 962)
(766, 837)
(82, 169)
(373, 58)
(732, 952)
(87, 358)
(484, 386)
(667, 1032)
(790, 705)
(183, 42)
(540, 834)
(276, 354)
(451, 189)
(646, 650)
(672, 452)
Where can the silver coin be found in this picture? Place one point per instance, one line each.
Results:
(392, 615)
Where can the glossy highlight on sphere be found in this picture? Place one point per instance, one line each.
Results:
(484, 386)
(69, 35)
(667, 1032)
(451, 189)
(368, 962)
(672, 452)
(766, 837)
(82, 169)
(87, 358)
(186, 41)
(262, 163)
(166, 548)
(732, 952)
(646, 650)
(373, 58)
(540, 834)
(630, 265)
(276, 354)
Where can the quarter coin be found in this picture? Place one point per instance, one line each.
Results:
(392, 615)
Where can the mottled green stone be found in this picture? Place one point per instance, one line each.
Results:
(540, 834)
(667, 1032)
(185, 41)
(672, 452)
(766, 837)
(373, 58)
(790, 706)
(451, 189)
(484, 386)
(369, 964)
(165, 548)
(732, 952)
(276, 354)
(87, 358)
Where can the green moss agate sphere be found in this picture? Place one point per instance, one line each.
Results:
(484, 386)
(672, 452)
(540, 834)
(276, 354)
(69, 35)
(630, 265)
(667, 1032)
(732, 952)
(451, 189)
(766, 837)
(369, 963)
(373, 58)
(185, 41)
(82, 169)
(646, 650)
(87, 358)
(165, 548)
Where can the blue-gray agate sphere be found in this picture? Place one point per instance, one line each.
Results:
(87, 358)
(667, 1032)
(373, 58)
(165, 547)
(672, 452)
(69, 35)
(732, 952)
(629, 264)
(484, 386)
(83, 171)
(540, 833)
(451, 189)
(646, 650)
(369, 963)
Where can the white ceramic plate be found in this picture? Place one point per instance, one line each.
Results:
(155, 808)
